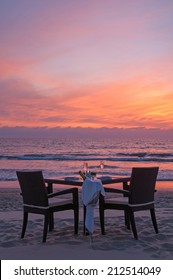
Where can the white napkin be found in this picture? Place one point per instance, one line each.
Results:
(90, 195)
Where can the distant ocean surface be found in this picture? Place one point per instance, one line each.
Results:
(64, 157)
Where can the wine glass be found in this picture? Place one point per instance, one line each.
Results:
(102, 165)
(85, 167)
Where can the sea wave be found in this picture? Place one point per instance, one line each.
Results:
(146, 154)
(133, 157)
(10, 174)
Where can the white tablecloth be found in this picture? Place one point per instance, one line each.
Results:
(91, 190)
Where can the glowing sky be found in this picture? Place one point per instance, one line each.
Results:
(94, 63)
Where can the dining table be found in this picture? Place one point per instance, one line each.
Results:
(75, 181)
(78, 182)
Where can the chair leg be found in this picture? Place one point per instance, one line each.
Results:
(76, 220)
(25, 220)
(76, 210)
(153, 217)
(133, 224)
(46, 223)
(102, 220)
(51, 222)
(126, 217)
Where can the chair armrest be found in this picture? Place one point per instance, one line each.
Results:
(71, 190)
(112, 190)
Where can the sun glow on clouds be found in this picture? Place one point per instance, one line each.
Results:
(86, 64)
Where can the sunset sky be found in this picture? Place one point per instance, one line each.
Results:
(94, 63)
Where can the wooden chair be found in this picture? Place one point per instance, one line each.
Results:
(139, 197)
(37, 200)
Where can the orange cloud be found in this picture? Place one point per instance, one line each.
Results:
(124, 105)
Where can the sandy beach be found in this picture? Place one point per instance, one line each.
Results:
(118, 243)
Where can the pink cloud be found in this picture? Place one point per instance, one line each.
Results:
(88, 63)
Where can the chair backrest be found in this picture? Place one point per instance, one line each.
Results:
(142, 184)
(33, 188)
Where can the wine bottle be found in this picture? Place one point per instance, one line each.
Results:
(82, 175)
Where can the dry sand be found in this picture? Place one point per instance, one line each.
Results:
(118, 243)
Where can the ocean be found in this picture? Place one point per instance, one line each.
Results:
(64, 157)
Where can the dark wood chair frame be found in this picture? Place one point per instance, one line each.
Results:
(140, 197)
(36, 200)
